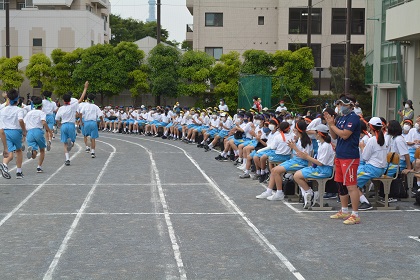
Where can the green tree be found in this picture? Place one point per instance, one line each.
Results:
(10, 76)
(164, 63)
(64, 64)
(225, 78)
(131, 30)
(257, 62)
(294, 74)
(139, 82)
(103, 69)
(357, 81)
(186, 45)
(39, 70)
(194, 72)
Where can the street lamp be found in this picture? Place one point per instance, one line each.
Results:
(319, 69)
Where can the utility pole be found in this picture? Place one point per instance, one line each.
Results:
(309, 24)
(158, 21)
(6, 6)
(348, 45)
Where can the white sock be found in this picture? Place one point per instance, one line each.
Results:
(236, 152)
(228, 153)
(355, 213)
(344, 209)
(269, 191)
(244, 161)
(223, 154)
(258, 172)
(363, 199)
(18, 170)
(67, 156)
(87, 147)
(279, 192)
(246, 171)
(210, 145)
(92, 151)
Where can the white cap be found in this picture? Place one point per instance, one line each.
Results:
(375, 121)
(322, 128)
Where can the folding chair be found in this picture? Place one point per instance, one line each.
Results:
(386, 180)
(321, 190)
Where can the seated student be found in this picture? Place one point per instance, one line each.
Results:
(204, 119)
(324, 165)
(225, 126)
(164, 120)
(277, 150)
(242, 126)
(212, 130)
(244, 149)
(407, 126)
(374, 155)
(304, 144)
(260, 158)
(396, 143)
(413, 139)
(141, 120)
(176, 129)
(35, 120)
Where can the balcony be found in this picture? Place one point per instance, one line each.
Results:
(403, 22)
(52, 2)
(101, 3)
(189, 35)
(190, 6)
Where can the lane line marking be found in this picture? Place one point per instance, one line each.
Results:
(63, 246)
(116, 214)
(17, 208)
(416, 238)
(282, 258)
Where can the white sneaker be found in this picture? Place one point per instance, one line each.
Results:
(307, 198)
(315, 199)
(263, 195)
(277, 196)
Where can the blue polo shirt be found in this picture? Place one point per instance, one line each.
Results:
(349, 148)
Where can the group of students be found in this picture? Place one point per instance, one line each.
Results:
(308, 147)
(35, 124)
(273, 144)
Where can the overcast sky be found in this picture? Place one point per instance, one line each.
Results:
(175, 14)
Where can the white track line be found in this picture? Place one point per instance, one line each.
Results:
(116, 214)
(282, 258)
(417, 238)
(10, 214)
(63, 246)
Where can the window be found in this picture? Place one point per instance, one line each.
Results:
(105, 18)
(260, 20)
(214, 19)
(29, 3)
(37, 42)
(298, 21)
(338, 53)
(338, 23)
(20, 6)
(214, 52)
(1, 4)
(316, 51)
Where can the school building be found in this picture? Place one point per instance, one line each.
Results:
(221, 26)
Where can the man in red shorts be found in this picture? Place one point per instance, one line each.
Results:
(347, 131)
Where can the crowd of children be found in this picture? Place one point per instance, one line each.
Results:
(269, 145)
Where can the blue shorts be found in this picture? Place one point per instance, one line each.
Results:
(68, 131)
(268, 153)
(318, 172)
(253, 143)
(161, 124)
(91, 129)
(13, 139)
(141, 122)
(50, 120)
(278, 158)
(169, 125)
(244, 141)
(201, 127)
(367, 172)
(192, 126)
(36, 139)
(212, 132)
(295, 164)
(223, 133)
(411, 152)
(392, 169)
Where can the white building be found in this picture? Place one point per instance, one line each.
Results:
(221, 26)
(44, 25)
(394, 55)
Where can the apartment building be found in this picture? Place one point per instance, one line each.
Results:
(44, 25)
(393, 55)
(238, 25)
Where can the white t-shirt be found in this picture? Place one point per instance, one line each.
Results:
(48, 107)
(223, 108)
(81, 106)
(374, 154)
(10, 116)
(308, 149)
(413, 135)
(326, 154)
(397, 145)
(91, 112)
(67, 113)
(34, 119)
(214, 122)
(281, 109)
(270, 138)
(228, 123)
(280, 143)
